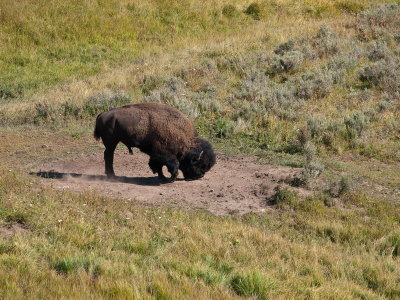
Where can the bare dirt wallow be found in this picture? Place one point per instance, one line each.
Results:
(235, 185)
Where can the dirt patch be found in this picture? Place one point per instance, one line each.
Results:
(12, 229)
(234, 185)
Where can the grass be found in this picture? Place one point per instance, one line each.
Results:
(92, 246)
(295, 83)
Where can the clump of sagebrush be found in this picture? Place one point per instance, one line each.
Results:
(44, 111)
(388, 100)
(312, 169)
(248, 110)
(325, 42)
(174, 92)
(313, 84)
(316, 127)
(383, 74)
(378, 50)
(358, 121)
(253, 85)
(285, 62)
(298, 44)
(104, 101)
(378, 22)
(345, 185)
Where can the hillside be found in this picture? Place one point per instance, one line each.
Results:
(301, 100)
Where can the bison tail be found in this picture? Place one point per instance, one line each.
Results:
(97, 131)
(96, 134)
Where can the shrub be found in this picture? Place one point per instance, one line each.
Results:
(285, 62)
(383, 74)
(285, 47)
(229, 11)
(325, 42)
(316, 127)
(44, 112)
(248, 110)
(313, 84)
(70, 109)
(223, 128)
(342, 187)
(174, 92)
(378, 21)
(283, 197)
(359, 122)
(104, 101)
(378, 50)
(254, 10)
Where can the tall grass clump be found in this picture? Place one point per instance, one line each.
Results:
(252, 284)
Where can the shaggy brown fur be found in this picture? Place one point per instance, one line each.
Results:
(159, 130)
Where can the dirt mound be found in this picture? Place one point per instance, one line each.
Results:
(234, 185)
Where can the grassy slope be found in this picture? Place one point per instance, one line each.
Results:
(46, 42)
(87, 246)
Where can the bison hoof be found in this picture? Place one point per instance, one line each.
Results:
(167, 180)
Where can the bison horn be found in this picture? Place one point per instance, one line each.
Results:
(201, 153)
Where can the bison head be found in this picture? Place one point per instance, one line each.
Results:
(196, 162)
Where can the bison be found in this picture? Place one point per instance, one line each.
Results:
(160, 131)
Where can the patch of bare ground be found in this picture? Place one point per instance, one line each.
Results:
(8, 230)
(235, 185)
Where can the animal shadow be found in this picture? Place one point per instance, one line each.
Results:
(147, 181)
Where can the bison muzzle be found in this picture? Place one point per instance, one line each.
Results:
(160, 131)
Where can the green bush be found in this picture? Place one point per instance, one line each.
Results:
(254, 10)
(284, 197)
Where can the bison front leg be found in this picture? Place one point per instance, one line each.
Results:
(156, 166)
(172, 164)
(173, 167)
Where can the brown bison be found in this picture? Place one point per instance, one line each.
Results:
(160, 131)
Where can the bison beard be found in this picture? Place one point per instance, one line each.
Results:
(160, 131)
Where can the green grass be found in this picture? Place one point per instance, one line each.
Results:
(47, 42)
(85, 245)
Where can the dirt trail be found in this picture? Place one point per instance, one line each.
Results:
(235, 184)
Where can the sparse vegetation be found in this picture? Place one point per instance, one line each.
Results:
(311, 84)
